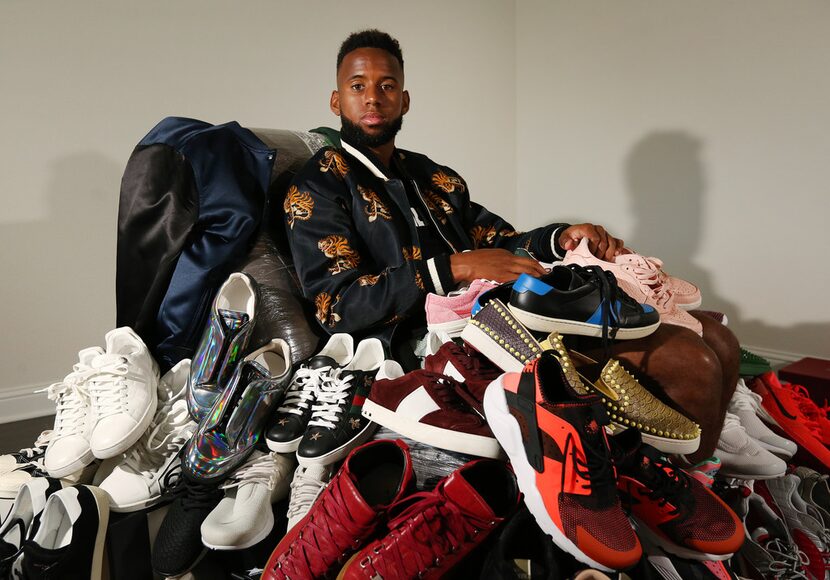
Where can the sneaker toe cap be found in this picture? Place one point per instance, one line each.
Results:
(125, 489)
(67, 455)
(113, 435)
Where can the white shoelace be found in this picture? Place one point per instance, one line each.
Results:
(785, 560)
(331, 400)
(263, 469)
(304, 492)
(39, 446)
(108, 385)
(303, 389)
(168, 432)
(745, 399)
(72, 402)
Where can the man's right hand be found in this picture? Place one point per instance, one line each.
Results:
(492, 264)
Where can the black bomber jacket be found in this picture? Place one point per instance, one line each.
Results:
(354, 241)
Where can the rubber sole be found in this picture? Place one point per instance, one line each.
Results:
(468, 443)
(544, 324)
(453, 327)
(649, 538)
(509, 434)
(284, 446)
(341, 452)
(260, 535)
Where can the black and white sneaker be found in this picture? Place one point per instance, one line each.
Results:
(289, 423)
(337, 425)
(23, 519)
(69, 543)
(11, 461)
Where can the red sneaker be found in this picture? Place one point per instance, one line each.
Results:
(783, 407)
(346, 514)
(465, 365)
(433, 531)
(426, 407)
(557, 445)
(817, 419)
(672, 509)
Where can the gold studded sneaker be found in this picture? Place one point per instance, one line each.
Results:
(629, 404)
(496, 334)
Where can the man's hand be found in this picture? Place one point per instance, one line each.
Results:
(602, 244)
(492, 264)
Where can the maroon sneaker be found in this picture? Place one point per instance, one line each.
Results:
(346, 513)
(430, 532)
(467, 366)
(427, 407)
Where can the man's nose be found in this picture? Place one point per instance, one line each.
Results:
(373, 95)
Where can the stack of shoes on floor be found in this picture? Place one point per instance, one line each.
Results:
(542, 453)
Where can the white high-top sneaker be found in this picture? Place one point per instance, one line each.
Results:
(68, 450)
(745, 405)
(306, 485)
(123, 393)
(244, 517)
(139, 479)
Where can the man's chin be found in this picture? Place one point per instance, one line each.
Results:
(369, 136)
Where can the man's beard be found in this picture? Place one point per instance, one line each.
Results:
(354, 135)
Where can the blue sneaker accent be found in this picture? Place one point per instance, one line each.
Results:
(646, 308)
(527, 283)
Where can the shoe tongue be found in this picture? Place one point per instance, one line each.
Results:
(761, 536)
(122, 343)
(87, 354)
(459, 490)
(321, 361)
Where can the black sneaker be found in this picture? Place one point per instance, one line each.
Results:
(289, 423)
(337, 425)
(178, 546)
(576, 300)
(69, 543)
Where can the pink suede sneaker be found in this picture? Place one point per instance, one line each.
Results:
(686, 295)
(450, 313)
(639, 277)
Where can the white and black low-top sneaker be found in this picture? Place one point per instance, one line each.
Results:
(123, 393)
(69, 543)
(289, 423)
(23, 519)
(139, 479)
(17, 469)
(68, 450)
(12, 461)
(337, 425)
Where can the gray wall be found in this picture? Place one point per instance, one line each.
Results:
(694, 130)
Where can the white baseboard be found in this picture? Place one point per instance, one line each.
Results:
(20, 403)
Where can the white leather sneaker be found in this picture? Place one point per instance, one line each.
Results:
(139, 479)
(68, 450)
(742, 457)
(123, 393)
(244, 516)
(745, 405)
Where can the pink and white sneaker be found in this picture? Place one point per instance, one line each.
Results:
(450, 313)
(640, 278)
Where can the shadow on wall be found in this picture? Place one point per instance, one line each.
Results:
(61, 269)
(666, 184)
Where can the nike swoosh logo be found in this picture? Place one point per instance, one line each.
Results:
(781, 407)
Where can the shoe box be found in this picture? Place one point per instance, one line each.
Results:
(812, 373)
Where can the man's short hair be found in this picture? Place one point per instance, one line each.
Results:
(370, 39)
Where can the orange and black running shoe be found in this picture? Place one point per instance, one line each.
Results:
(558, 448)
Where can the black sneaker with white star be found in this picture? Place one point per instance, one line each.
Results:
(336, 425)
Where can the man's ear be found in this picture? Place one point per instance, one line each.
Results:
(405, 109)
(334, 103)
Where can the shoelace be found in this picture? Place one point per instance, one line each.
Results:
(332, 399)
(167, 434)
(788, 560)
(597, 469)
(745, 399)
(304, 491)
(303, 389)
(647, 273)
(806, 405)
(108, 385)
(609, 295)
(328, 536)
(71, 400)
(472, 363)
(194, 495)
(261, 469)
(668, 483)
(429, 528)
(37, 450)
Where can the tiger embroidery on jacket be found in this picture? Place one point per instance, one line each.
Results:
(368, 280)
(438, 206)
(324, 309)
(411, 253)
(337, 249)
(483, 236)
(508, 233)
(448, 183)
(375, 207)
(334, 162)
(419, 281)
(298, 205)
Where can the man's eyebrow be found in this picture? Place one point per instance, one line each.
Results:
(363, 76)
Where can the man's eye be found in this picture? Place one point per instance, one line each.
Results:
(387, 87)
(357, 87)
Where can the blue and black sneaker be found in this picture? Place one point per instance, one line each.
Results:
(576, 300)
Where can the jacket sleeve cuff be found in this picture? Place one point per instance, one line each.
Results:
(437, 275)
(558, 251)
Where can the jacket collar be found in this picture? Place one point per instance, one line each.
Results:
(369, 159)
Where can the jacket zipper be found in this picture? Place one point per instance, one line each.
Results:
(432, 218)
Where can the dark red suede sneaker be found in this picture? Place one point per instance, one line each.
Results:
(670, 508)
(427, 407)
(346, 514)
(430, 532)
(467, 366)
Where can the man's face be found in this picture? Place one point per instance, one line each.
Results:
(370, 99)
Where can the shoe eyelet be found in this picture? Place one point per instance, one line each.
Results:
(476, 532)
(376, 549)
(437, 562)
(493, 523)
(365, 562)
